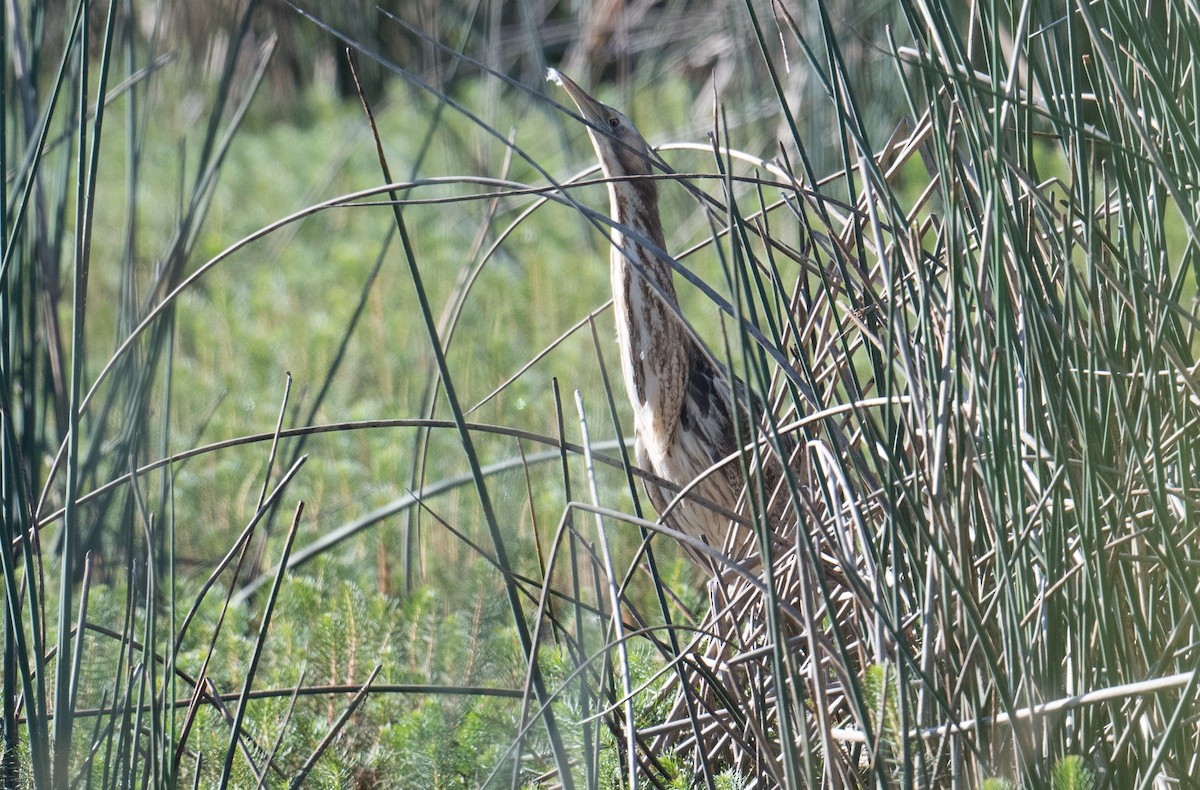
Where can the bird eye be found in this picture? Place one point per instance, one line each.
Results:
(614, 122)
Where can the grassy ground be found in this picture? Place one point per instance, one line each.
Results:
(314, 302)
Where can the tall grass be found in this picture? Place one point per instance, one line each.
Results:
(977, 334)
(1005, 307)
(69, 423)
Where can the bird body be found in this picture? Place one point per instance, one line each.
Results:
(690, 414)
(683, 402)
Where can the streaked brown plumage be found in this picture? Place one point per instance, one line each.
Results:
(682, 400)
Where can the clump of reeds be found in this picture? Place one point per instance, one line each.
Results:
(982, 336)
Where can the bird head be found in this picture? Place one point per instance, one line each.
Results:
(619, 145)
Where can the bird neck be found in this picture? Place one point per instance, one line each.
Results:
(655, 346)
(633, 205)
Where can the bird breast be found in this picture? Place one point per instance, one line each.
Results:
(703, 436)
(655, 349)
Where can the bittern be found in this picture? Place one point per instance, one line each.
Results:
(684, 403)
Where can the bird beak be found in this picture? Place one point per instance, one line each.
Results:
(591, 110)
